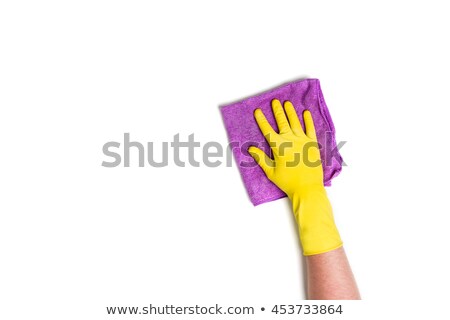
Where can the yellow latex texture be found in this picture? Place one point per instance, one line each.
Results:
(296, 169)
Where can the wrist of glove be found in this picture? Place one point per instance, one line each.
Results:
(314, 216)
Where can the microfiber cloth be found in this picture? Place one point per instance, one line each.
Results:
(243, 131)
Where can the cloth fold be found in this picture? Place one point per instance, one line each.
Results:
(243, 132)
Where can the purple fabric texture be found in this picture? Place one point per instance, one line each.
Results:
(243, 131)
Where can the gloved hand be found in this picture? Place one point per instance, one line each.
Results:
(297, 170)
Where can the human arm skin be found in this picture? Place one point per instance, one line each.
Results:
(329, 277)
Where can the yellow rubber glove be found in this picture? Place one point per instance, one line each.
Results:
(297, 170)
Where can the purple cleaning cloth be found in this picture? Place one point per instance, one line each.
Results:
(243, 131)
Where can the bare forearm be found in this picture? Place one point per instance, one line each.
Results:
(330, 277)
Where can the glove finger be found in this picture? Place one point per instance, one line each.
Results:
(293, 119)
(262, 160)
(280, 116)
(264, 125)
(309, 125)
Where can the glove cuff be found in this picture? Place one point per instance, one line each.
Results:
(314, 216)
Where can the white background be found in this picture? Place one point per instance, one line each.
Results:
(76, 237)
